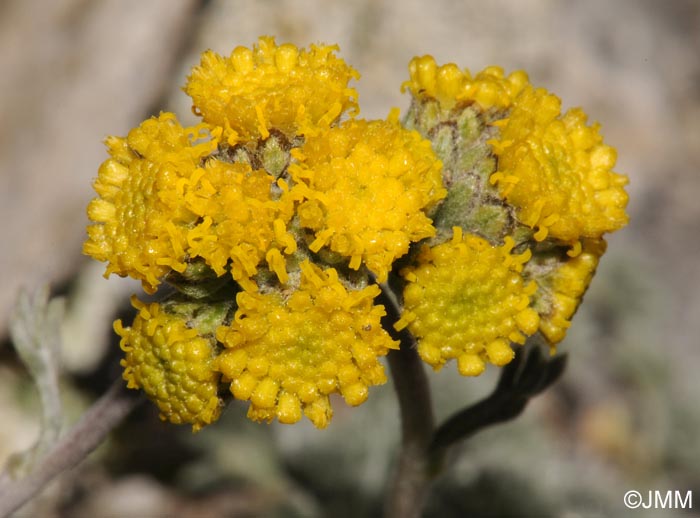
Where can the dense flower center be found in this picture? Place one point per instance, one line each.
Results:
(288, 356)
(467, 300)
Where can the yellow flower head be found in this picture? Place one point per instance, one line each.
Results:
(272, 168)
(286, 357)
(561, 290)
(172, 364)
(271, 86)
(467, 300)
(367, 186)
(239, 220)
(140, 223)
(490, 88)
(556, 171)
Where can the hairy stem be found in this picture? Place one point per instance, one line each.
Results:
(411, 479)
(104, 415)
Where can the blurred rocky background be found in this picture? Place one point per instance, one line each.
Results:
(624, 416)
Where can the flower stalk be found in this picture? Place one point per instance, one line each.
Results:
(425, 445)
(411, 479)
(94, 426)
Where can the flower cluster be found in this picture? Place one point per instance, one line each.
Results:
(345, 174)
(556, 171)
(288, 356)
(523, 176)
(281, 218)
(141, 227)
(449, 85)
(466, 300)
(172, 363)
(270, 181)
(296, 91)
(562, 284)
